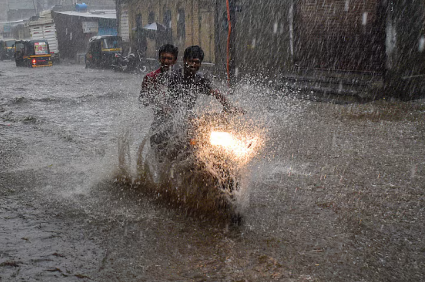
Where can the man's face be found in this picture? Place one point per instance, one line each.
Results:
(192, 65)
(167, 60)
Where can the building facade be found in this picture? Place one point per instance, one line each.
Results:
(377, 46)
(74, 30)
(188, 22)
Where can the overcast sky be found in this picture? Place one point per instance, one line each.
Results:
(20, 4)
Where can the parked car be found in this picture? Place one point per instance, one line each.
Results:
(102, 50)
(32, 53)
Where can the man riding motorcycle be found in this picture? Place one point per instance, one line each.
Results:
(183, 88)
(186, 84)
(181, 154)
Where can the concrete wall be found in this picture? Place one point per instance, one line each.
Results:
(340, 35)
(260, 39)
(370, 38)
(275, 37)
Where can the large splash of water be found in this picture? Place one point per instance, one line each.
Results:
(207, 175)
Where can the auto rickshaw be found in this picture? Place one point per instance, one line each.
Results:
(7, 49)
(32, 53)
(102, 50)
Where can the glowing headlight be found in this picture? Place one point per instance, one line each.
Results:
(230, 143)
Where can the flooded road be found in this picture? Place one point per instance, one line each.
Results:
(337, 194)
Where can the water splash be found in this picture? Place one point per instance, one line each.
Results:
(198, 181)
(194, 174)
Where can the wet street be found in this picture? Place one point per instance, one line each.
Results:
(336, 194)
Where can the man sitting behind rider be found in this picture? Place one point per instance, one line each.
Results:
(185, 84)
(155, 83)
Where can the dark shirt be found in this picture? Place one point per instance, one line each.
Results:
(184, 91)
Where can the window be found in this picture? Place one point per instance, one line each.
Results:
(167, 18)
(10, 43)
(151, 18)
(111, 43)
(181, 27)
(138, 21)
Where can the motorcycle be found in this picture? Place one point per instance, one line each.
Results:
(130, 63)
(198, 166)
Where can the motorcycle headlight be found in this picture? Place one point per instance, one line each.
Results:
(229, 143)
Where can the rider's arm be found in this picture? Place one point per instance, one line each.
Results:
(227, 106)
(220, 97)
(208, 89)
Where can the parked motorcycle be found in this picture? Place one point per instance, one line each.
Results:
(197, 166)
(133, 62)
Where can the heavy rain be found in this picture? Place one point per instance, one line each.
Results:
(311, 170)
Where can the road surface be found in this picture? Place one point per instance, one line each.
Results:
(336, 194)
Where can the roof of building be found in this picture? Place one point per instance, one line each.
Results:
(105, 14)
(13, 22)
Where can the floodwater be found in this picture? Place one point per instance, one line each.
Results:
(336, 194)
